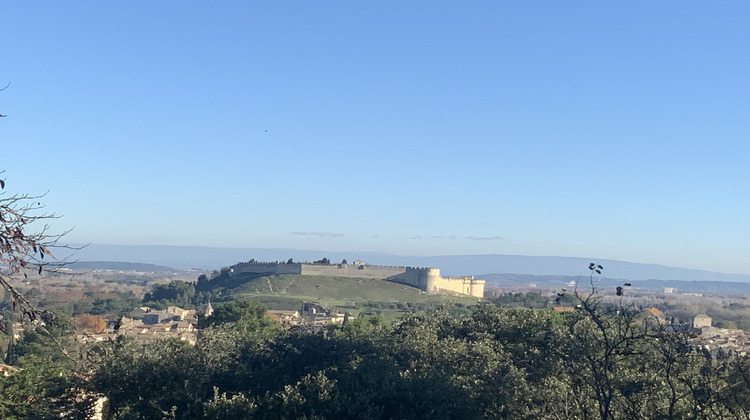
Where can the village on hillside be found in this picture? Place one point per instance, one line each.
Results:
(148, 324)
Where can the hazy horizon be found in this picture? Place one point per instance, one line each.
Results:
(209, 258)
(429, 128)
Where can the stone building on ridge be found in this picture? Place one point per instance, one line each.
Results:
(425, 279)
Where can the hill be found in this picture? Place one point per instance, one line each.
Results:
(354, 295)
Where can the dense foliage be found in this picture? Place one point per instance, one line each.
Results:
(496, 363)
(247, 316)
(598, 362)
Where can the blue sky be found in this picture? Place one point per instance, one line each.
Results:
(593, 129)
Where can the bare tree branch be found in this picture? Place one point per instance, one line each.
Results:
(6, 87)
(20, 249)
(26, 246)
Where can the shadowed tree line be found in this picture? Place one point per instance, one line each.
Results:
(601, 361)
(596, 363)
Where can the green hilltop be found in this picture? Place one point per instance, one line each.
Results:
(353, 295)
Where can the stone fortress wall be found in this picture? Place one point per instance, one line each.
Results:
(426, 279)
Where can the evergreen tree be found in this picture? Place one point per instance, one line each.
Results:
(11, 355)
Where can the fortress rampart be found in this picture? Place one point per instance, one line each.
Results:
(271, 268)
(426, 279)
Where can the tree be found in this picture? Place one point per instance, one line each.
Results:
(148, 381)
(619, 364)
(176, 292)
(26, 245)
(20, 249)
(244, 315)
(53, 339)
(24, 251)
(42, 389)
(362, 327)
(493, 363)
(91, 323)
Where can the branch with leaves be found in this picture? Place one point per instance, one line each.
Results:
(24, 250)
(20, 249)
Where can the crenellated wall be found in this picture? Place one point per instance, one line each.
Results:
(423, 278)
(350, 270)
(270, 268)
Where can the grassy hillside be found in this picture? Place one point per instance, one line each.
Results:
(354, 295)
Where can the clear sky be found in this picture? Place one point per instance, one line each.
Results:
(581, 128)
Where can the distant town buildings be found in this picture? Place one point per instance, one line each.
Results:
(146, 324)
(701, 321)
(316, 315)
(285, 317)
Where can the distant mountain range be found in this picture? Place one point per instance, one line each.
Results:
(118, 266)
(186, 257)
(550, 282)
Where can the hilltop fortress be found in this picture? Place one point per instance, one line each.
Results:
(425, 279)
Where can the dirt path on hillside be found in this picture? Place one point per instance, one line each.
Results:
(268, 281)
